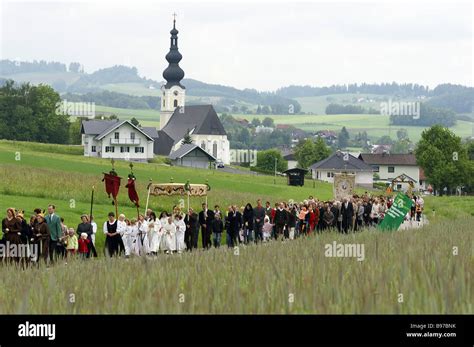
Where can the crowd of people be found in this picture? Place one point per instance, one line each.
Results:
(179, 230)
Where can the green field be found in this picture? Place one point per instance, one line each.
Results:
(278, 277)
(375, 125)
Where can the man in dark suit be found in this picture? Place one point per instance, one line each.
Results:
(281, 219)
(206, 217)
(191, 234)
(347, 212)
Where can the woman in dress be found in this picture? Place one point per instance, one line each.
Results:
(11, 228)
(41, 237)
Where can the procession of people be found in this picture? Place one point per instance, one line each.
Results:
(179, 230)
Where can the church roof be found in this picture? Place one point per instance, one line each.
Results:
(197, 119)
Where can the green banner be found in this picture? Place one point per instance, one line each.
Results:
(396, 213)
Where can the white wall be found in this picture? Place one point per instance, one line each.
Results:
(362, 178)
(292, 164)
(124, 134)
(410, 170)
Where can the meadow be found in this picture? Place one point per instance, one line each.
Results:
(278, 277)
(414, 271)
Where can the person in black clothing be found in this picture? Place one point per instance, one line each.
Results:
(367, 212)
(112, 238)
(321, 224)
(259, 215)
(205, 219)
(191, 234)
(281, 219)
(290, 229)
(347, 212)
(248, 223)
(217, 227)
(234, 218)
(335, 211)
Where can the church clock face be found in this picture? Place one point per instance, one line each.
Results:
(175, 93)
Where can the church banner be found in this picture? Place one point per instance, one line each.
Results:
(343, 185)
(396, 213)
(178, 189)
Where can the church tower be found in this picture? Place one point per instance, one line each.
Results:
(172, 93)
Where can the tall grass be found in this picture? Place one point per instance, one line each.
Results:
(264, 279)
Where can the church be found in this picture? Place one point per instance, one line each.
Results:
(177, 119)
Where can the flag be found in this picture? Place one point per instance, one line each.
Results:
(396, 213)
(132, 192)
(112, 184)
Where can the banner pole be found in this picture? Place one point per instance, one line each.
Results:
(148, 197)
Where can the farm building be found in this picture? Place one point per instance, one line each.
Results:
(191, 155)
(389, 166)
(340, 162)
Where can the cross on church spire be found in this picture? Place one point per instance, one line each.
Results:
(174, 18)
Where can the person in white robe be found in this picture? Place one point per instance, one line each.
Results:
(154, 235)
(180, 230)
(169, 235)
(133, 238)
(163, 220)
(142, 238)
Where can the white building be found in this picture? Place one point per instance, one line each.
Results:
(117, 139)
(341, 162)
(389, 166)
(177, 119)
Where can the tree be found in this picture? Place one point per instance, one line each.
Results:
(266, 110)
(384, 140)
(135, 122)
(187, 139)
(74, 67)
(255, 122)
(259, 110)
(443, 158)
(266, 161)
(32, 113)
(235, 109)
(244, 136)
(308, 152)
(402, 134)
(343, 138)
(268, 122)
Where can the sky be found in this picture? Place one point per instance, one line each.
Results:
(252, 44)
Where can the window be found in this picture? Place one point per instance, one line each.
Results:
(391, 169)
(163, 102)
(124, 149)
(399, 186)
(139, 149)
(176, 103)
(93, 149)
(203, 145)
(116, 136)
(329, 174)
(110, 149)
(214, 149)
(376, 168)
(132, 136)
